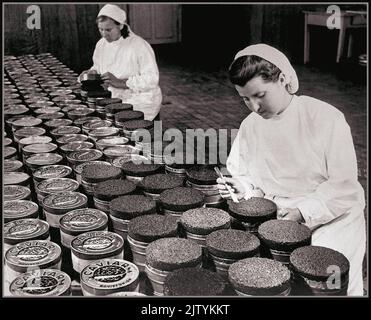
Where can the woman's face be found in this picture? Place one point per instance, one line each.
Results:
(109, 30)
(265, 98)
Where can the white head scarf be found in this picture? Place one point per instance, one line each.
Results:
(114, 12)
(275, 57)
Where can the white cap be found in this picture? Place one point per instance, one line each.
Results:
(275, 57)
(114, 12)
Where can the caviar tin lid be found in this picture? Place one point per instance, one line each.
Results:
(53, 171)
(9, 152)
(32, 140)
(69, 108)
(39, 148)
(137, 165)
(108, 276)
(104, 132)
(111, 142)
(25, 229)
(29, 131)
(40, 104)
(16, 178)
(7, 142)
(95, 124)
(43, 159)
(82, 120)
(12, 165)
(71, 138)
(60, 203)
(50, 116)
(84, 155)
(55, 123)
(46, 110)
(80, 112)
(19, 209)
(79, 168)
(55, 185)
(10, 120)
(97, 244)
(61, 131)
(14, 192)
(41, 283)
(60, 92)
(26, 122)
(126, 294)
(120, 151)
(15, 110)
(33, 254)
(83, 220)
(76, 146)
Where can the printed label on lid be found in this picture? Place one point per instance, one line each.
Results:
(97, 242)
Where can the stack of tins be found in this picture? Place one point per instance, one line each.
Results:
(226, 246)
(200, 222)
(204, 178)
(169, 254)
(145, 229)
(175, 201)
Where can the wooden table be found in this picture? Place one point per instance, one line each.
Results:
(348, 20)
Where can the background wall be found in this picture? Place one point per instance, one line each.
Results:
(211, 33)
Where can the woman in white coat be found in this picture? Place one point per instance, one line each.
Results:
(297, 151)
(126, 63)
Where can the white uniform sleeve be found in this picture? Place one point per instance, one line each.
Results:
(96, 58)
(237, 166)
(148, 77)
(341, 191)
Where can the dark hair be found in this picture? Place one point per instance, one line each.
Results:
(125, 29)
(244, 68)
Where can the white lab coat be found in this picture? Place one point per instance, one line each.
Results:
(131, 58)
(305, 158)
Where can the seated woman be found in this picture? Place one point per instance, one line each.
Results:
(127, 63)
(297, 151)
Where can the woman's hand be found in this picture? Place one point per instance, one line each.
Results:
(293, 214)
(236, 187)
(110, 80)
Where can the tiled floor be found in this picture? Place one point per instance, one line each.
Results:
(195, 98)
